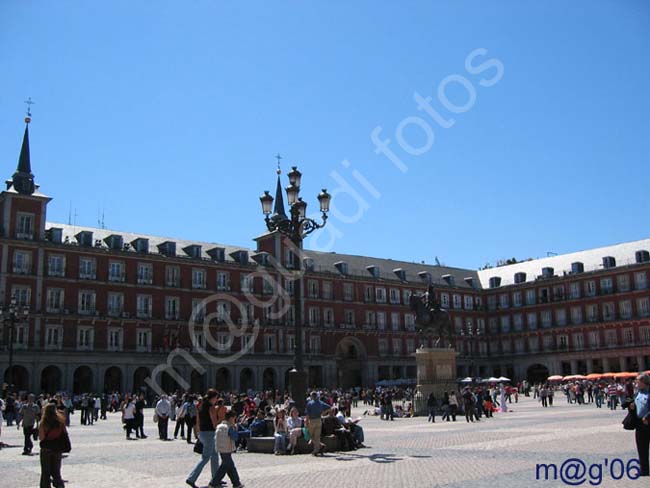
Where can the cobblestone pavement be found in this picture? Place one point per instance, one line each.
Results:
(501, 452)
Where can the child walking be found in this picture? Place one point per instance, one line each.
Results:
(225, 444)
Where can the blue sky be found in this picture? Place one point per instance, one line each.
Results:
(167, 116)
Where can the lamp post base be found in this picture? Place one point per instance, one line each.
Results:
(298, 388)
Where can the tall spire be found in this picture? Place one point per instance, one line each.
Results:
(23, 179)
(278, 209)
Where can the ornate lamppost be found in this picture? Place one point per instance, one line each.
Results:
(295, 227)
(10, 315)
(471, 333)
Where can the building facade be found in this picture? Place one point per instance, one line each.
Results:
(109, 309)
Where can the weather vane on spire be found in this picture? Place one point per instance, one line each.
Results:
(278, 157)
(29, 103)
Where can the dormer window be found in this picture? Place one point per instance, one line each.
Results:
(114, 242)
(520, 277)
(495, 282)
(548, 272)
(141, 245)
(642, 256)
(373, 270)
(425, 276)
(167, 248)
(577, 267)
(449, 279)
(217, 254)
(609, 262)
(54, 234)
(240, 256)
(309, 264)
(342, 266)
(193, 251)
(470, 281)
(261, 258)
(400, 273)
(85, 238)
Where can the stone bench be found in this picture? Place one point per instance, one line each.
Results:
(266, 444)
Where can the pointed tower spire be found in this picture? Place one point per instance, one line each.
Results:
(278, 209)
(23, 179)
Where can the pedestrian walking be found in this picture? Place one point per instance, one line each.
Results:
(206, 425)
(641, 405)
(53, 435)
(226, 438)
(30, 413)
(163, 411)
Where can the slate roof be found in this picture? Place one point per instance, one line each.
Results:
(592, 260)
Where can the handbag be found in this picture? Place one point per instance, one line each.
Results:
(155, 418)
(630, 420)
(198, 447)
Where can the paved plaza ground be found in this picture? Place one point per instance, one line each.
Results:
(498, 453)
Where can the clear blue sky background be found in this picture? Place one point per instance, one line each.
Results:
(168, 114)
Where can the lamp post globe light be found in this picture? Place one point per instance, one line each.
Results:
(10, 315)
(295, 226)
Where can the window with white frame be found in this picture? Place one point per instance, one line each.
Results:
(547, 318)
(519, 345)
(578, 341)
(143, 306)
(612, 338)
(291, 344)
(314, 316)
(625, 309)
(380, 295)
(410, 346)
(504, 300)
(548, 342)
(116, 271)
(516, 299)
(563, 342)
(22, 262)
(54, 337)
(590, 288)
(644, 334)
(643, 306)
(492, 303)
(327, 290)
(198, 340)
(393, 296)
(115, 304)
(623, 282)
(21, 336)
(288, 258)
(518, 321)
(87, 300)
(480, 325)
(395, 320)
(172, 275)
(576, 315)
(246, 313)
(223, 281)
(25, 226)
(328, 317)
(608, 311)
(628, 337)
(223, 310)
(288, 317)
(444, 300)
(268, 284)
(640, 281)
(314, 344)
(574, 290)
(248, 342)
(247, 283)
(55, 265)
(381, 320)
(349, 317)
(594, 339)
(469, 302)
(172, 308)
(85, 338)
(409, 321)
(456, 299)
(199, 281)
(114, 339)
(87, 268)
(531, 319)
(397, 345)
(406, 294)
(533, 343)
(371, 319)
(224, 342)
(145, 274)
(289, 286)
(606, 285)
(368, 294)
(382, 345)
(143, 340)
(54, 300)
(348, 292)
(531, 297)
(312, 288)
(592, 312)
(493, 325)
(560, 317)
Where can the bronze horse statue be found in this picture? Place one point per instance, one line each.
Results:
(432, 319)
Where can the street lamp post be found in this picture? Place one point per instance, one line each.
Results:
(9, 316)
(295, 227)
(471, 333)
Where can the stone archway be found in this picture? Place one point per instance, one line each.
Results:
(246, 380)
(113, 380)
(268, 379)
(51, 380)
(536, 373)
(197, 382)
(223, 380)
(19, 377)
(351, 356)
(82, 380)
(139, 377)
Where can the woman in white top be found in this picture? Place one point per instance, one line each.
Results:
(294, 427)
(128, 416)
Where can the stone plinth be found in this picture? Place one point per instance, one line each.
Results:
(436, 371)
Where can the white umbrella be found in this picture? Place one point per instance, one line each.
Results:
(466, 380)
(492, 379)
(503, 378)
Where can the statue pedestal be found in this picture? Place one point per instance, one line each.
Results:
(436, 370)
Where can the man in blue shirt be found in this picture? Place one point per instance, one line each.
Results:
(314, 410)
(642, 406)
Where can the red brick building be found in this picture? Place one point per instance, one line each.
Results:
(107, 307)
